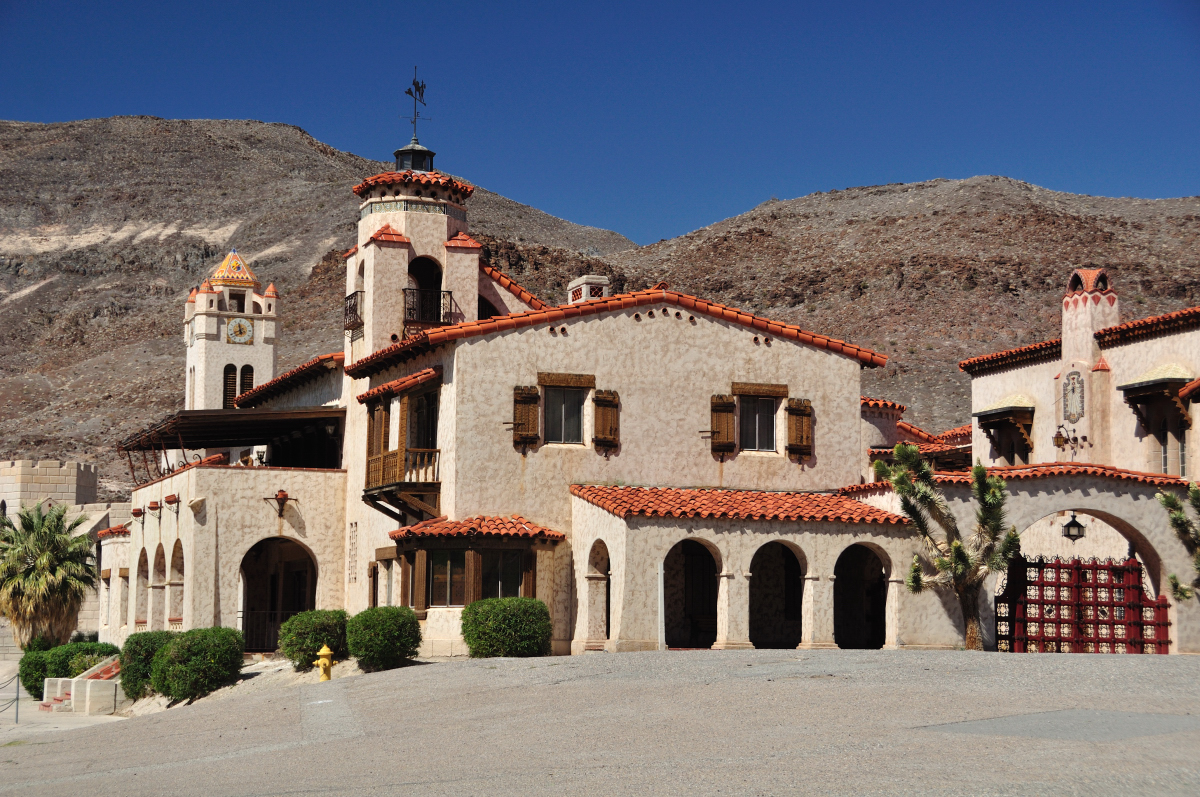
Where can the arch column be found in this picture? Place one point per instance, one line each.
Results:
(817, 613)
(733, 612)
(891, 636)
(596, 585)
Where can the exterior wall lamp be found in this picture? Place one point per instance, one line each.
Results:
(1073, 530)
(281, 499)
(1064, 437)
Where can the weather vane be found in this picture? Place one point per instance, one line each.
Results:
(417, 92)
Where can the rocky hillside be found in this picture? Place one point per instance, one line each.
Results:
(105, 224)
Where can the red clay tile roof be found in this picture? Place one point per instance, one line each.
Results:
(881, 404)
(733, 504)
(462, 241)
(350, 252)
(418, 344)
(507, 283)
(958, 433)
(402, 384)
(1189, 391)
(270, 292)
(1153, 327)
(386, 234)
(923, 448)
(920, 434)
(1011, 358)
(419, 178)
(1042, 471)
(192, 297)
(115, 531)
(1102, 365)
(291, 380)
(206, 287)
(480, 525)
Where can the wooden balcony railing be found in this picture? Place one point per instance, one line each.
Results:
(418, 466)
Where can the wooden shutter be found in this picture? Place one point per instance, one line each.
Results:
(230, 387)
(800, 427)
(723, 440)
(608, 420)
(247, 379)
(525, 416)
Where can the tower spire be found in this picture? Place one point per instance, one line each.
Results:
(415, 157)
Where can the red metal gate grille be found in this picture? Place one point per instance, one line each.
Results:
(1079, 606)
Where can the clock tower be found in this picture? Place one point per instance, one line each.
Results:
(229, 330)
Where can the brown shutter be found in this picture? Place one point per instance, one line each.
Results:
(474, 575)
(608, 420)
(385, 424)
(402, 424)
(420, 588)
(529, 575)
(800, 427)
(230, 387)
(525, 416)
(722, 424)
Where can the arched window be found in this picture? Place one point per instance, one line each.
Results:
(230, 392)
(487, 309)
(247, 379)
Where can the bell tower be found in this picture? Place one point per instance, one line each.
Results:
(229, 329)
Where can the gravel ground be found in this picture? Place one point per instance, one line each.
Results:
(706, 722)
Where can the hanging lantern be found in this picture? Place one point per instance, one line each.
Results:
(1060, 439)
(1073, 529)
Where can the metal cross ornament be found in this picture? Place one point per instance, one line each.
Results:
(417, 92)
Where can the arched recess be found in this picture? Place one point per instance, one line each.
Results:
(247, 380)
(599, 597)
(141, 604)
(158, 587)
(487, 309)
(175, 586)
(690, 588)
(860, 598)
(426, 272)
(229, 388)
(776, 592)
(279, 580)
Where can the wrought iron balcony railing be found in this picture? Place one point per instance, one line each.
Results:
(354, 307)
(427, 307)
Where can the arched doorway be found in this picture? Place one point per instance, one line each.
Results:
(279, 580)
(141, 602)
(175, 589)
(599, 597)
(690, 596)
(158, 589)
(776, 591)
(859, 599)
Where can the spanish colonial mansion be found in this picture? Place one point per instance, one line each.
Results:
(661, 470)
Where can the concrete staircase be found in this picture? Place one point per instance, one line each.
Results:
(9, 650)
(96, 691)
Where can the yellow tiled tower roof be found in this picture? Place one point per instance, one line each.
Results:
(234, 272)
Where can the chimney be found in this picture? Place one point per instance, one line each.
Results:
(589, 286)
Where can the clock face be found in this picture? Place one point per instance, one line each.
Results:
(1073, 397)
(240, 330)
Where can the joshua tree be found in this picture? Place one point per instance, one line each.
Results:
(45, 573)
(1189, 535)
(960, 565)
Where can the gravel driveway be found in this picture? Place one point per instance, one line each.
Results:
(702, 722)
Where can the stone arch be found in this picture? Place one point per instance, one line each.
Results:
(175, 586)
(427, 273)
(776, 590)
(141, 602)
(599, 596)
(860, 590)
(158, 587)
(691, 583)
(279, 580)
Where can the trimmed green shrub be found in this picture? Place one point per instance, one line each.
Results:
(137, 660)
(58, 660)
(384, 637)
(32, 670)
(196, 662)
(302, 635)
(85, 636)
(82, 662)
(39, 643)
(507, 627)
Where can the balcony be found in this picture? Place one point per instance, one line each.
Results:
(407, 481)
(354, 307)
(424, 309)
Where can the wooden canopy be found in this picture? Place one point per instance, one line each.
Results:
(201, 429)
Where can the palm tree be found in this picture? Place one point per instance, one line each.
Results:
(45, 573)
(960, 565)
(1189, 534)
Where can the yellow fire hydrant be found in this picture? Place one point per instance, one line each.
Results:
(325, 662)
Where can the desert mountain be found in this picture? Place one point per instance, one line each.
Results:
(105, 224)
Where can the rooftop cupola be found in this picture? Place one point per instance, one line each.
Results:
(414, 157)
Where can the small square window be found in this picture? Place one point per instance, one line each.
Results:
(564, 415)
(757, 423)
(447, 578)
(501, 574)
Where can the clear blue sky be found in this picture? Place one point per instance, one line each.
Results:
(655, 119)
